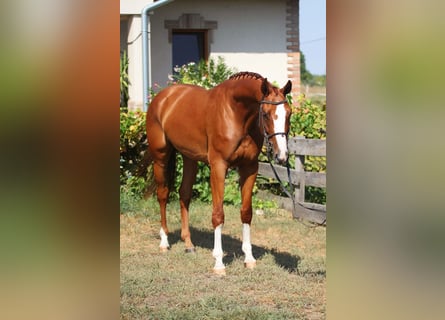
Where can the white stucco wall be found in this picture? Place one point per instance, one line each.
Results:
(133, 6)
(251, 36)
(134, 46)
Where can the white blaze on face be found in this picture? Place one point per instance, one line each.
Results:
(279, 126)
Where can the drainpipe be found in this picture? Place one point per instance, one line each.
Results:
(146, 47)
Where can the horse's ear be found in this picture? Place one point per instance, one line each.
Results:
(287, 88)
(265, 87)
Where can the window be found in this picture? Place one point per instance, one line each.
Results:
(189, 46)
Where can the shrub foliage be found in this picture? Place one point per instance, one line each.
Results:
(124, 79)
(309, 120)
(133, 144)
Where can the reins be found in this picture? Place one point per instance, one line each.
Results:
(269, 151)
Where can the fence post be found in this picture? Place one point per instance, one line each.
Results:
(299, 166)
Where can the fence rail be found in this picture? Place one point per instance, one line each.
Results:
(301, 147)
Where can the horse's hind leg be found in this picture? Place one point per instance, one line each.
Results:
(164, 156)
(185, 195)
(162, 194)
(163, 170)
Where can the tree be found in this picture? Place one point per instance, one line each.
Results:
(308, 78)
(305, 76)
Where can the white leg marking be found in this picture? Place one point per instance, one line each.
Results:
(217, 249)
(279, 124)
(164, 240)
(247, 246)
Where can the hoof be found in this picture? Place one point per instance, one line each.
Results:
(163, 249)
(219, 272)
(250, 265)
(190, 250)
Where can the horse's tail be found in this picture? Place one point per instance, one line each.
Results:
(171, 170)
(145, 169)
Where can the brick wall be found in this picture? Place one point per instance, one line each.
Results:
(293, 44)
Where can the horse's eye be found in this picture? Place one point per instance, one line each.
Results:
(266, 116)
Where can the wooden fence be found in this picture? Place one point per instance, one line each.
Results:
(301, 147)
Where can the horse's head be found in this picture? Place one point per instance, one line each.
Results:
(275, 113)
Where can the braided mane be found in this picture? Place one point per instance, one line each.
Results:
(246, 74)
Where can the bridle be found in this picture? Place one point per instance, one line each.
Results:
(266, 135)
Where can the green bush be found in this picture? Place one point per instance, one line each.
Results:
(309, 120)
(132, 147)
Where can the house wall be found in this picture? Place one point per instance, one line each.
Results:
(134, 49)
(250, 36)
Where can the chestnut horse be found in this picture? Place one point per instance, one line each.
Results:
(224, 127)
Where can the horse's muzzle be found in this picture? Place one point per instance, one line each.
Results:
(281, 157)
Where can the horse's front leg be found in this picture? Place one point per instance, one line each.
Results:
(218, 172)
(247, 180)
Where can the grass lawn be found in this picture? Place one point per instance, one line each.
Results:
(289, 281)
